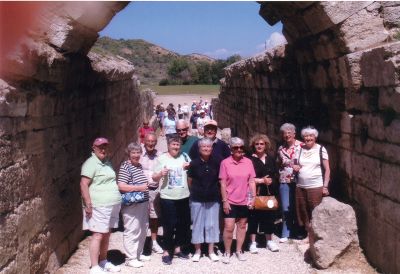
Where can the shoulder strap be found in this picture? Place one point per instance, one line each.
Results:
(185, 156)
(321, 161)
(298, 160)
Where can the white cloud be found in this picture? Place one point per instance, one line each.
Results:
(221, 53)
(274, 40)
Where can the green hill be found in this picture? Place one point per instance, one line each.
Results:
(151, 61)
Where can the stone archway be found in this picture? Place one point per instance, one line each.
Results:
(339, 72)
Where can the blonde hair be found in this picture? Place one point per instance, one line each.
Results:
(262, 137)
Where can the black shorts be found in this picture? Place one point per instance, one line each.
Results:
(237, 212)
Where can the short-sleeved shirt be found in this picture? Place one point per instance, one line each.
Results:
(132, 175)
(187, 145)
(310, 173)
(174, 186)
(148, 163)
(205, 185)
(236, 176)
(103, 189)
(285, 156)
(169, 126)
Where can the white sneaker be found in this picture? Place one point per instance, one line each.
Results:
(214, 257)
(253, 248)
(272, 246)
(156, 248)
(144, 258)
(109, 267)
(96, 270)
(283, 240)
(240, 256)
(134, 263)
(226, 258)
(196, 257)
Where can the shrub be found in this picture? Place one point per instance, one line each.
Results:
(163, 82)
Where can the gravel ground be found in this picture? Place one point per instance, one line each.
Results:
(287, 260)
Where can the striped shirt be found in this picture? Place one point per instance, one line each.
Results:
(132, 175)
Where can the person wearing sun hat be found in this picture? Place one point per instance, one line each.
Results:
(101, 204)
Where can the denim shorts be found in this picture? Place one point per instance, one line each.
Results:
(205, 219)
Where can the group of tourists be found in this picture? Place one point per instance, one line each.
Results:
(197, 114)
(204, 183)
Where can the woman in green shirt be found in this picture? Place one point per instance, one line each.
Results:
(101, 205)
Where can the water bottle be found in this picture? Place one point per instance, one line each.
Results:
(249, 198)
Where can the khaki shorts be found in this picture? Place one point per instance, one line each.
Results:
(103, 219)
(154, 204)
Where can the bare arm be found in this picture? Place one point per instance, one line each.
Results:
(123, 187)
(327, 176)
(189, 181)
(158, 175)
(252, 185)
(225, 204)
(85, 182)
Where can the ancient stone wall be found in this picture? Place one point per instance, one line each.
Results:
(340, 73)
(54, 100)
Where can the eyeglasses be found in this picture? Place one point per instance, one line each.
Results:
(210, 129)
(259, 144)
(182, 129)
(237, 148)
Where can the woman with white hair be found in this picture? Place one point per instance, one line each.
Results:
(205, 197)
(133, 183)
(286, 158)
(238, 192)
(313, 176)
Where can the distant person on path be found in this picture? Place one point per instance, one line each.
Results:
(266, 184)
(193, 121)
(180, 112)
(182, 128)
(287, 156)
(172, 166)
(205, 196)
(220, 148)
(144, 130)
(148, 162)
(201, 121)
(193, 107)
(101, 204)
(313, 179)
(135, 213)
(185, 110)
(169, 124)
(238, 191)
(160, 115)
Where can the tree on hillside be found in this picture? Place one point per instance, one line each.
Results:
(204, 72)
(176, 67)
(233, 59)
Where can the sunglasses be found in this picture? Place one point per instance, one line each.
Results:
(237, 148)
(181, 129)
(259, 144)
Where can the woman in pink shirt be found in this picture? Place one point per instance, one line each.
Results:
(238, 191)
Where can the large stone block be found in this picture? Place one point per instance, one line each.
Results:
(362, 30)
(376, 70)
(367, 171)
(385, 151)
(390, 181)
(328, 13)
(391, 16)
(334, 231)
(389, 98)
(12, 102)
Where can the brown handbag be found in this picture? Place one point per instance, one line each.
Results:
(268, 202)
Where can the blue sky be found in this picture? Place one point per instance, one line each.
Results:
(218, 29)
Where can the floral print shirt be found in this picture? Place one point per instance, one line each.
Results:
(286, 157)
